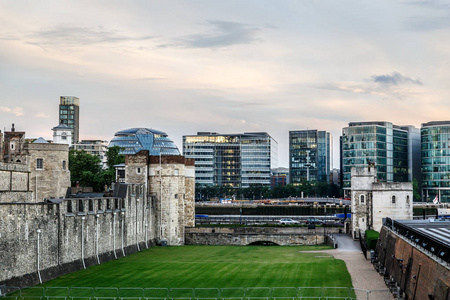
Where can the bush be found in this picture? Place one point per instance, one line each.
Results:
(372, 238)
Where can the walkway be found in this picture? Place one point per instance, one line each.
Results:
(363, 274)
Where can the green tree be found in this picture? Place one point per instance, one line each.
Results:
(416, 193)
(113, 157)
(86, 169)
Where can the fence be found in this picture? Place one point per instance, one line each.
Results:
(435, 247)
(250, 293)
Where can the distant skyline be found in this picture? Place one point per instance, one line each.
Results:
(228, 67)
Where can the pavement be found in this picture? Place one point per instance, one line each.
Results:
(363, 274)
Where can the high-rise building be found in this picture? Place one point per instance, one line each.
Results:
(236, 160)
(69, 114)
(310, 156)
(393, 149)
(435, 146)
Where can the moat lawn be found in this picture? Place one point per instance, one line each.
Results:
(215, 267)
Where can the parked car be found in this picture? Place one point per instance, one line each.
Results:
(288, 222)
(314, 221)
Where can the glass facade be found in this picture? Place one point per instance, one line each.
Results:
(382, 143)
(237, 160)
(69, 110)
(134, 140)
(435, 153)
(309, 156)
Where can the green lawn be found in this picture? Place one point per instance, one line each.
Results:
(215, 267)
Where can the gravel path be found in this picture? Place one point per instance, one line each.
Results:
(363, 274)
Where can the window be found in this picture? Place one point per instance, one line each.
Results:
(80, 206)
(69, 206)
(393, 199)
(138, 170)
(12, 146)
(64, 165)
(99, 204)
(91, 205)
(108, 204)
(407, 199)
(64, 136)
(176, 172)
(39, 163)
(361, 198)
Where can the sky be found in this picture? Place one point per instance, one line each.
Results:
(224, 66)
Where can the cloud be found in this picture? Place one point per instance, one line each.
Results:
(395, 79)
(76, 35)
(224, 34)
(395, 86)
(18, 111)
(41, 115)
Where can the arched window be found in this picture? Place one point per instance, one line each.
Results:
(63, 136)
(393, 199)
(361, 199)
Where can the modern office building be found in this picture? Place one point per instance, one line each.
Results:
(393, 149)
(435, 146)
(134, 140)
(279, 176)
(310, 156)
(94, 147)
(236, 160)
(69, 114)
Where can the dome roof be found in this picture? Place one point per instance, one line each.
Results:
(40, 140)
(134, 140)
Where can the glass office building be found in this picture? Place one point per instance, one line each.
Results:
(236, 160)
(435, 146)
(69, 114)
(394, 150)
(134, 140)
(310, 156)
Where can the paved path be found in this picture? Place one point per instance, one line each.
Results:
(363, 274)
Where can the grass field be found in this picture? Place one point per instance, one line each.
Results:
(215, 267)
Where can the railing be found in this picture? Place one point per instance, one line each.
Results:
(435, 247)
(239, 293)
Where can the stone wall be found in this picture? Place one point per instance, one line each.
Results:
(71, 235)
(241, 236)
(418, 274)
(54, 178)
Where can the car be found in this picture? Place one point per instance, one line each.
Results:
(314, 221)
(286, 221)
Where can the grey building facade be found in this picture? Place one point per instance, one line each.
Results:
(235, 160)
(310, 156)
(393, 149)
(69, 114)
(435, 153)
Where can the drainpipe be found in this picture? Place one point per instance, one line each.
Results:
(123, 250)
(96, 237)
(137, 240)
(146, 239)
(82, 242)
(114, 234)
(36, 193)
(38, 256)
(160, 196)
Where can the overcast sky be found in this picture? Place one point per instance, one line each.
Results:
(224, 66)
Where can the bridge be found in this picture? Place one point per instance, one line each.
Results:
(241, 236)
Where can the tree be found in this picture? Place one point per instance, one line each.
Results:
(85, 168)
(416, 193)
(113, 157)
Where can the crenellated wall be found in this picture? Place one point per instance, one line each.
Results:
(50, 239)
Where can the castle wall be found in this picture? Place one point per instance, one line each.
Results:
(54, 178)
(418, 274)
(73, 234)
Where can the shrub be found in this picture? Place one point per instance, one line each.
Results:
(372, 238)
